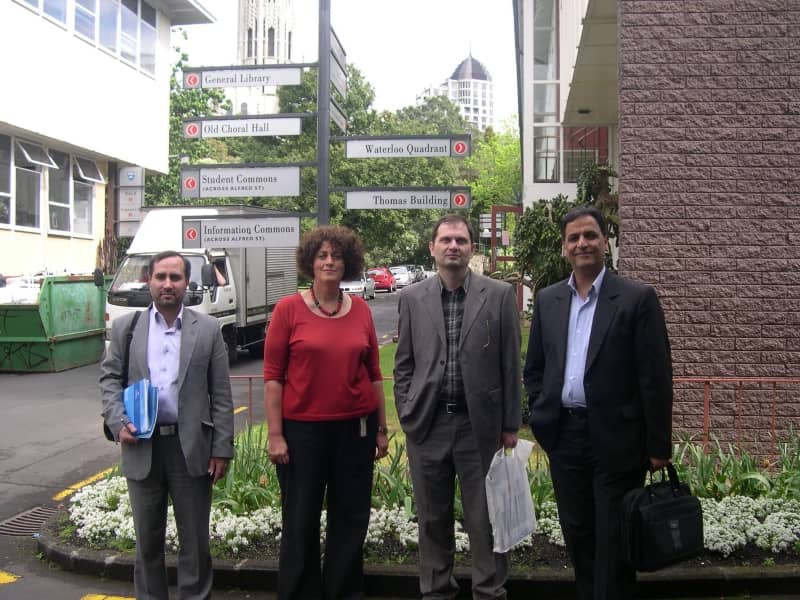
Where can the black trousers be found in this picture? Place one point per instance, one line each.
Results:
(328, 460)
(589, 501)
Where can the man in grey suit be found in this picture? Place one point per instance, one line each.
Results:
(599, 377)
(182, 353)
(458, 391)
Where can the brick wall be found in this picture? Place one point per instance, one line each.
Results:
(709, 130)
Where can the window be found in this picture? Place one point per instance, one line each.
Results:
(545, 153)
(56, 9)
(271, 41)
(58, 193)
(129, 29)
(5, 179)
(88, 170)
(289, 46)
(109, 24)
(249, 42)
(34, 154)
(147, 45)
(85, 17)
(28, 183)
(545, 102)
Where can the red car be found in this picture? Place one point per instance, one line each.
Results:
(384, 280)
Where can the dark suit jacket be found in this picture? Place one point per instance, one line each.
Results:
(205, 404)
(489, 355)
(628, 377)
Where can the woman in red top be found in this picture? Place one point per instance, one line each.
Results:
(324, 403)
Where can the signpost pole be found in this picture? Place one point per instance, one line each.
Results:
(324, 113)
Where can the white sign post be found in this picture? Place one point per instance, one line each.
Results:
(239, 232)
(391, 198)
(267, 125)
(239, 181)
(455, 146)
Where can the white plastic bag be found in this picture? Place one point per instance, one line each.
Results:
(508, 495)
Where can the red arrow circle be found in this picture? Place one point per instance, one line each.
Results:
(191, 233)
(460, 199)
(190, 183)
(460, 148)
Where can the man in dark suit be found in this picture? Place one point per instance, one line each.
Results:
(458, 392)
(182, 353)
(599, 378)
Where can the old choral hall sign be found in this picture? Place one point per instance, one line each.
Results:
(242, 126)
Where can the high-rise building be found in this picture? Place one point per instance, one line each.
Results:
(264, 37)
(471, 88)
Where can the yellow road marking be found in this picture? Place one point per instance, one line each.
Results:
(6, 577)
(104, 597)
(76, 486)
(240, 409)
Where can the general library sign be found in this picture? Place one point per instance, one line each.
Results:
(390, 146)
(387, 198)
(247, 76)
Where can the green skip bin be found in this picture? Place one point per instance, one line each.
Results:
(61, 328)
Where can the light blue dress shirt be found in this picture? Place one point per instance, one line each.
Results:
(581, 316)
(163, 361)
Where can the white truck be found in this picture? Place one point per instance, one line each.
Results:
(238, 286)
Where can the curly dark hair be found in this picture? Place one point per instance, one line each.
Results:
(340, 238)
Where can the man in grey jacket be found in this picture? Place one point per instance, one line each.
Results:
(458, 391)
(182, 353)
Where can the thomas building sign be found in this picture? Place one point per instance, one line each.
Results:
(388, 198)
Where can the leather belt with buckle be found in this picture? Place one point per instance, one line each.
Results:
(452, 408)
(575, 411)
(166, 430)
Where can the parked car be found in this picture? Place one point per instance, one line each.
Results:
(415, 272)
(383, 278)
(364, 287)
(402, 276)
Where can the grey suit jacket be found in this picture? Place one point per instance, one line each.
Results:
(205, 405)
(489, 356)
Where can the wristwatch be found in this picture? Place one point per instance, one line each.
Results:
(383, 429)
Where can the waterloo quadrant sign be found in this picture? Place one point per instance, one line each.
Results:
(238, 181)
(238, 232)
(389, 198)
(231, 77)
(458, 146)
(212, 127)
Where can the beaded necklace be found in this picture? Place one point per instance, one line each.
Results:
(322, 310)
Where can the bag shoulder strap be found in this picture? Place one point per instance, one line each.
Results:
(127, 357)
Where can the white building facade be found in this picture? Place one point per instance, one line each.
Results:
(87, 93)
(471, 88)
(561, 128)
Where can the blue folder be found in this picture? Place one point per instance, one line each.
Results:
(141, 406)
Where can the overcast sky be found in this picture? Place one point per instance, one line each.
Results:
(401, 46)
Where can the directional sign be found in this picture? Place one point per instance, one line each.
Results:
(239, 182)
(404, 147)
(337, 116)
(337, 50)
(238, 232)
(338, 77)
(388, 198)
(241, 127)
(247, 76)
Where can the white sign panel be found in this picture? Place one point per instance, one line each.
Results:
(127, 228)
(242, 77)
(338, 77)
(377, 147)
(228, 128)
(239, 182)
(337, 50)
(408, 199)
(236, 232)
(337, 116)
(130, 204)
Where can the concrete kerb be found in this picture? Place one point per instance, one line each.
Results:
(401, 580)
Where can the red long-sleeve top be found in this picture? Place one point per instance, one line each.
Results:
(326, 366)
